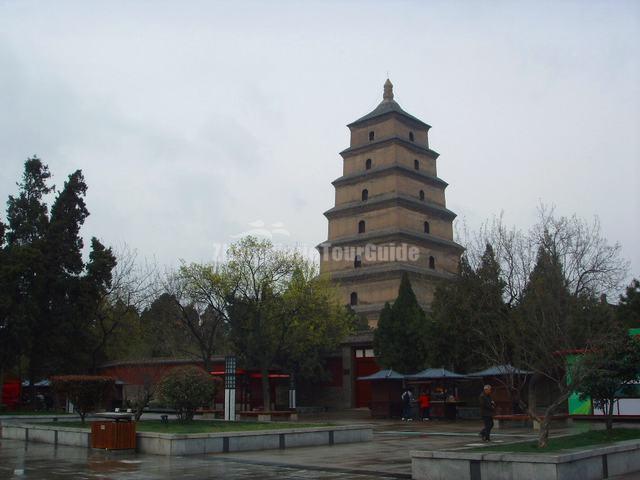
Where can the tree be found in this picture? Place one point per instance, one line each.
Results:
(147, 377)
(280, 312)
(590, 264)
(199, 295)
(399, 341)
(163, 333)
(613, 371)
(318, 324)
(22, 271)
(8, 335)
(51, 290)
(186, 389)
(549, 324)
(629, 306)
(114, 304)
(86, 392)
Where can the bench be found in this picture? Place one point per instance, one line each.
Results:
(523, 420)
(267, 416)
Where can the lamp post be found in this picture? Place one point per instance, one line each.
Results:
(230, 388)
(292, 392)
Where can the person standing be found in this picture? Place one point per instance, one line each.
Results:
(487, 410)
(407, 398)
(425, 405)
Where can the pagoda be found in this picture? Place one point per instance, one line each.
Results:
(390, 215)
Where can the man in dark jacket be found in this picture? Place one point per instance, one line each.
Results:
(487, 409)
(407, 398)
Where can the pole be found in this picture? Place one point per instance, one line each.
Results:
(292, 392)
(230, 388)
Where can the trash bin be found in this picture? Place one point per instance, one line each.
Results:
(114, 434)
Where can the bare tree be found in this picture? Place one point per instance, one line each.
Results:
(134, 285)
(199, 293)
(590, 264)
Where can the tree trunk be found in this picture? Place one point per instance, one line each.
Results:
(610, 405)
(543, 438)
(141, 403)
(266, 391)
(531, 394)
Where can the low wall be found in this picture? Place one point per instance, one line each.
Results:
(592, 464)
(198, 443)
(76, 437)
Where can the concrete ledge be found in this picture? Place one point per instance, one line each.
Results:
(76, 437)
(199, 443)
(590, 464)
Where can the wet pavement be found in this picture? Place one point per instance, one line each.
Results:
(386, 457)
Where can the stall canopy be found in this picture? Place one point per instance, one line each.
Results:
(435, 374)
(384, 375)
(498, 370)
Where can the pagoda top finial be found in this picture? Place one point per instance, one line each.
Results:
(388, 91)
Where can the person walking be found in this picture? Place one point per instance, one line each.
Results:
(425, 405)
(407, 398)
(487, 410)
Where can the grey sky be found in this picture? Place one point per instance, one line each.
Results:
(192, 120)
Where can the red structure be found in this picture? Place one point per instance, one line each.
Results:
(135, 374)
(11, 390)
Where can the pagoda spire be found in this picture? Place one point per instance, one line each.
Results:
(387, 96)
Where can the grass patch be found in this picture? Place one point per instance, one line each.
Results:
(586, 439)
(198, 426)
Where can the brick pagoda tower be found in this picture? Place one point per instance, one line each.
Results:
(390, 214)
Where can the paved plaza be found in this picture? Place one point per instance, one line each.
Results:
(386, 457)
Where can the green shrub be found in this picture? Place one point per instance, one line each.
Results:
(186, 389)
(86, 392)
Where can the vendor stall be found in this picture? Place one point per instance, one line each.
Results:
(442, 387)
(386, 393)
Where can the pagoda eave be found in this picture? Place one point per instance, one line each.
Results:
(387, 270)
(390, 140)
(390, 235)
(390, 200)
(387, 170)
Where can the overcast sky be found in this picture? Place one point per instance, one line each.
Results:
(197, 121)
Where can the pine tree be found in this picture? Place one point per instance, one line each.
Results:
(629, 306)
(49, 292)
(399, 340)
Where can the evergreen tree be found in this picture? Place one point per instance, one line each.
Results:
(399, 341)
(467, 315)
(49, 293)
(24, 270)
(28, 214)
(629, 306)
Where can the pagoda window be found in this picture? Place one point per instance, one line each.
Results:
(371, 136)
(421, 195)
(365, 195)
(357, 262)
(432, 263)
(427, 228)
(361, 226)
(411, 136)
(416, 164)
(354, 298)
(367, 164)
